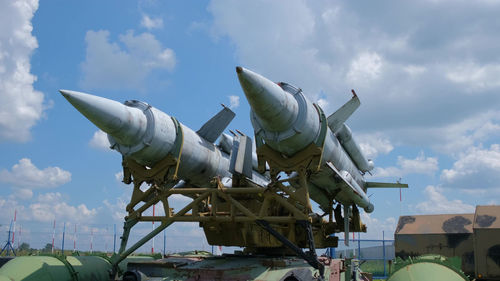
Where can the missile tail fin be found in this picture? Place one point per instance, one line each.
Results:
(347, 214)
(338, 118)
(214, 127)
(241, 156)
(348, 185)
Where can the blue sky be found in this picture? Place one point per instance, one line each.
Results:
(426, 73)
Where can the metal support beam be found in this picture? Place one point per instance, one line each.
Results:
(310, 257)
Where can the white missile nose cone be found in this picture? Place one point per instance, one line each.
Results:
(114, 118)
(275, 108)
(100, 111)
(253, 84)
(370, 208)
(65, 93)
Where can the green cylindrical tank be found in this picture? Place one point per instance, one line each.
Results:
(427, 268)
(122, 266)
(48, 268)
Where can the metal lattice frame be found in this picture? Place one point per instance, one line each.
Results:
(162, 177)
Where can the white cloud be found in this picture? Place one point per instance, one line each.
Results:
(420, 165)
(23, 193)
(438, 203)
(366, 66)
(26, 174)
(323, 103)
(234, 102)
(118, 209)
(475, 77)
(100, 141)
(179, 199)
(151, 23)
(22, 106)
(374, 144)
(119, 176)
(456, 137)
(108, 65)
(286, 27)
(477, 168)
(414, 70)
(50, 206)
(415, 82)
(377, 228)
(7, 208)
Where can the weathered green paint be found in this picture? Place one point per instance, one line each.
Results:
(48, 268)
(428, 268)
(52, 268)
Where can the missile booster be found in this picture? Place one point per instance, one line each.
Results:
(288, 122)
(147, 135)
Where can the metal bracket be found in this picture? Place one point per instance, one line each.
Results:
(324, 126)
(178, 145)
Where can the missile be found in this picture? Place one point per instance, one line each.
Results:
(288, 122)
(147, 135)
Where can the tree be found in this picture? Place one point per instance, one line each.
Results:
(24, 247)
(47, 248)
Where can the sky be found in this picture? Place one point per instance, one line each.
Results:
(426, 72)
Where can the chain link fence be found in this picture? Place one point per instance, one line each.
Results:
(375, 255)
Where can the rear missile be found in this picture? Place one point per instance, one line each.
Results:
(147, 135)
(288, 122)
(273, 108)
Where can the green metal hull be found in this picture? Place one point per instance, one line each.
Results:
(48, 268)
(428, 268)
(52, 268)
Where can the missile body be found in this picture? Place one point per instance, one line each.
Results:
(288, 122)
(147, 135)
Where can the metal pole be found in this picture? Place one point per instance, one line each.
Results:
(152, 229)
(383, 251)
(19, 236)
(64, 232)
(164, 243)
(14, 228)
(91, 240)
(8, 241)
(114, 239)
(8, 238)
(74, 240)
(53, 235)
(106, 240)
(359, 246)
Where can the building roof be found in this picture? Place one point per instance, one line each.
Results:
(435, 224)
(487, 217)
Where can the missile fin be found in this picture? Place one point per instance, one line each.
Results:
(241, 156)
(214, 127)
(338, 118)
(344, 182)
(347, 214)
(371, 184)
